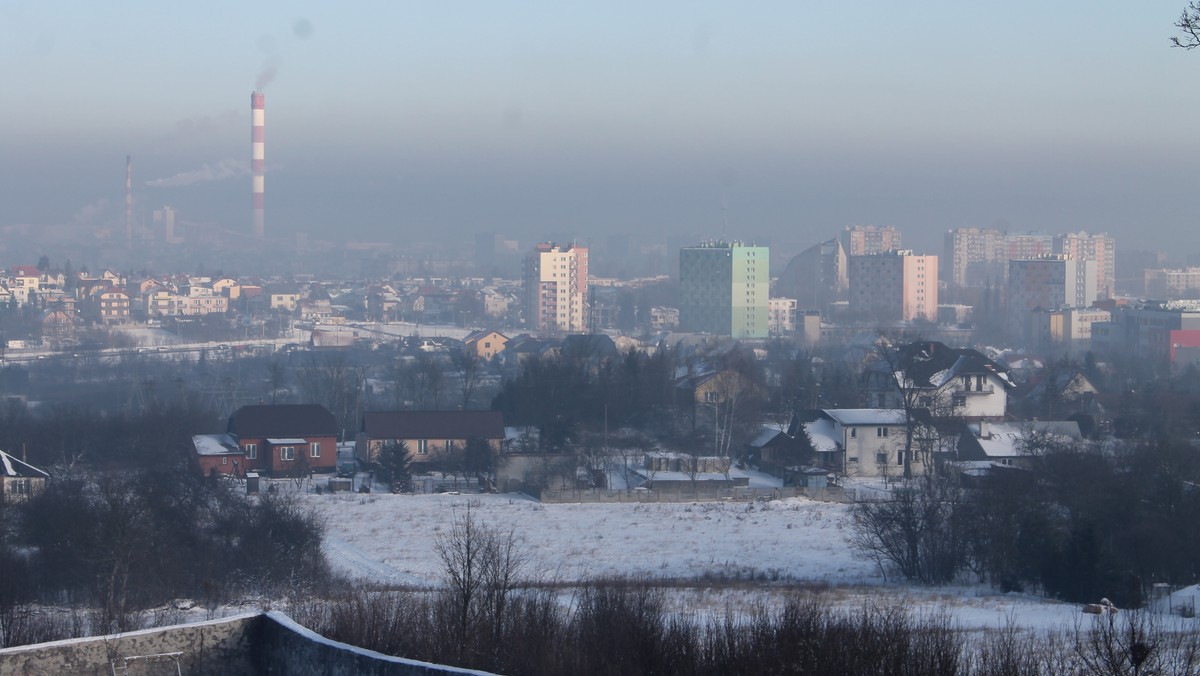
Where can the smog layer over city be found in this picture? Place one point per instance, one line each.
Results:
(600, 338)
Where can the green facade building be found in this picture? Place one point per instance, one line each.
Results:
(724, 288)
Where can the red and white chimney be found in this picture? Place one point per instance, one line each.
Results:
(257, 156)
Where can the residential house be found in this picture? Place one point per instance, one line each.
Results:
(383, 303)
(778, 453)
(227, 287)
(196, 300)
(950, 382)
(714, 385)
(24, 283)
(285, 298)
(1015, 444)
(862, 441)
(428, 434)
(108, 306)
(520, 349)
(485, 343)
(285, 438)
(57, 326)
(19, 481)
(219, 454)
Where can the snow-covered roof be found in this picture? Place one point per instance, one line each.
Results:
(1003, 440)
(764, 436)
(286, 440)
(215, 444)
(867, 416)
(12, 467)
(822, 435)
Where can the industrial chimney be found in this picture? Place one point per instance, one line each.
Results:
(257, 155)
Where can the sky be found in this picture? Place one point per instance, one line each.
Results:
(774, 122)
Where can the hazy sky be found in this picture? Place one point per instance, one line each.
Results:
(393, 120)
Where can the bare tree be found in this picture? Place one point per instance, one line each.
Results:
(276, 376)
(482, 568)
(908, 391)
(470, 372)
(1189, 25)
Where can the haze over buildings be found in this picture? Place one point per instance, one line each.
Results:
(428, 121)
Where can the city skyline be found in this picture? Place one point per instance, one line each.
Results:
(783, 124)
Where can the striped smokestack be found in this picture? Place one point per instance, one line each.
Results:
(257, 156)
(129, 201)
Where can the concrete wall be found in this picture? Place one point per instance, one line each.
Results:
(268, 643)
(284, 647)
(217, 647)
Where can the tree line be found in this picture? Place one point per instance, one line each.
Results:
(1088, 521)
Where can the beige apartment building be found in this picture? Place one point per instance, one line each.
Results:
(556, 288)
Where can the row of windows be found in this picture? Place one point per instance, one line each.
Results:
(879, 431)
(285, 452)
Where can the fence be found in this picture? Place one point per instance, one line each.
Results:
(697, 494)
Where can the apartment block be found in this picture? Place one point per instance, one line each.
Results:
(556, 288)
(1100, 249)
(896, 285)
(973, 257)
(1029, 245)
(1164, 284)
(781, 316)
(863, 240)
(724, 289)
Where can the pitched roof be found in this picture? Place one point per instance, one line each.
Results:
(13, 467)
(282, 420)
(866, 416)
(930, 364)
(433, 424)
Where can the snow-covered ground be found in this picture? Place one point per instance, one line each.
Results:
(795, 542)
(793, 538)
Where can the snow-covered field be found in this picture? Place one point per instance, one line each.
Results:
(390, 539)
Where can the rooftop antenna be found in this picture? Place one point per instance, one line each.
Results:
(724, 213)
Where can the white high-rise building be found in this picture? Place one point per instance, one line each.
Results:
(556, 288)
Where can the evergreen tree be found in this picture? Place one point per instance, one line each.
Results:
(394, 464)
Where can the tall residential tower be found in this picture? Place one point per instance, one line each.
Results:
(556, 288)
(724, 289)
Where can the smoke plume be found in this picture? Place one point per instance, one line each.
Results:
(228, 168)
(266, 75)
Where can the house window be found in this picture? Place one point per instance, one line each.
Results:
(251, 451)
(900, 457)
(287, 452)
(881, 431)
(225, 460)
(853, 432)
(314, 449)
(422, 446)
(854, 460)
(881, 458)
